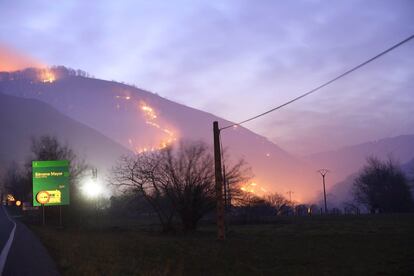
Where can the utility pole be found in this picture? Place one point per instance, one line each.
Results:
(228, 198)
(219, 183)
(323, 172)
(227, 192)
(225, 188)
(290, 195)
(94, 174)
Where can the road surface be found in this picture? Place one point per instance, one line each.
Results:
(21, 253)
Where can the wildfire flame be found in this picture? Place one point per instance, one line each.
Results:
(123, 97)
(149, 112)
(253, 188)
(47, 76)
(152, 119)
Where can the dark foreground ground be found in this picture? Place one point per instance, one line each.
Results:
(337, 245)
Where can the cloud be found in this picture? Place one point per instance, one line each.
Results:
(362, 110)
(238, 58)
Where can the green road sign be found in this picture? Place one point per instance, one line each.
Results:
(50, 183)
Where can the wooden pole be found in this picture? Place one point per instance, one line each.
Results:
(219, 183)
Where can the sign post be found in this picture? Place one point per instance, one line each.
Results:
(50, 184)
(43, 215)
(60, 216)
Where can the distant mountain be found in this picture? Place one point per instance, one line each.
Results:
(349, 160)
(342, 191)
(345, 163)
(21, 119)
(408, 169)
(141, 121)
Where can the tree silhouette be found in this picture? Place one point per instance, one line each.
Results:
(277, 201)
(382, 187)
(13, 182)
(176, 181)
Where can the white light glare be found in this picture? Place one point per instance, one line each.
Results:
(92, 189)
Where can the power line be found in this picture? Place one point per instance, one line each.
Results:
(325, 84)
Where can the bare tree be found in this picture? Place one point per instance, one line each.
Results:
(189, 181)
(47, 147)
(142, 174)
(277, 201)
(176, 181)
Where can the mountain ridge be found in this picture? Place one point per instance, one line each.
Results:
(141, 120)
(27, 118)
(352, 158)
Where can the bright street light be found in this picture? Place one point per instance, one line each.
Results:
(92, 188)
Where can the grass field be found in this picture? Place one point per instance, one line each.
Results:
(340, 245)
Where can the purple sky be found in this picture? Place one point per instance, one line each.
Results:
(238, 58)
